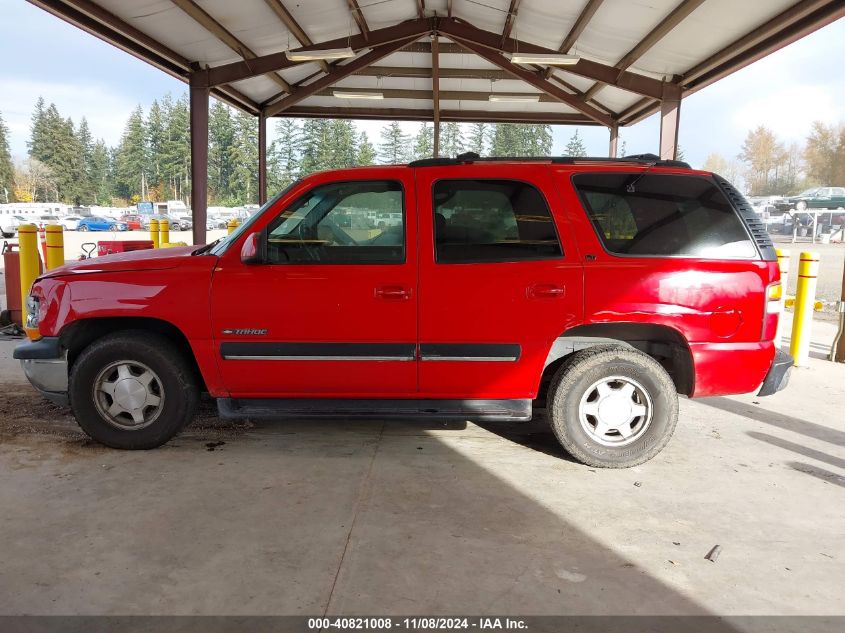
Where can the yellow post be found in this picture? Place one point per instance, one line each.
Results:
(231, 225)
(164, 231)
(55, 246)
(154, 234)
(805, 295)
(29, 259)
(783, 264)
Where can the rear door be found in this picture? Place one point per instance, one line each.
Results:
(332, 312)
(500, 279)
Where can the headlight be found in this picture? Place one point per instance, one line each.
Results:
(33, 312)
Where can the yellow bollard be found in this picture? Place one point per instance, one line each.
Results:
(783, 264)
(30, 267)
(805, 295)
(164, 231)
(154, 233)
(231, 225)
(55, 246)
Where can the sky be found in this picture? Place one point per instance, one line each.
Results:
(43, 56)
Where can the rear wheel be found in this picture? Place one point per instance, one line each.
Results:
(82, 227)
(132, 390)
(612, 407)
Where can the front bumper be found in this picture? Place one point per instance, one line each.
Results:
(45, 365)
(778, 375)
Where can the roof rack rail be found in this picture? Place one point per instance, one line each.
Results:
(472, 157)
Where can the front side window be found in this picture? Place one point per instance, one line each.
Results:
(491, 221)
(356, 222)
(662, 215)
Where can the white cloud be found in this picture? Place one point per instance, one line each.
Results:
(789, 111)
(105, 110)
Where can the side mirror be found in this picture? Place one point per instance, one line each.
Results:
(251, 250)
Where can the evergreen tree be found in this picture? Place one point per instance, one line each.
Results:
(243, 187)
(624, 149)
(87, 191)
(156, 139)
(176, 155)
(393, 148)
(315, 150)
(7, 170)
(575, 146)
(366, 151)
(131, 158)
(284, 153)
(341, 151)
(451, 140)
(99, 173)
(478, 135)
(221, 161)
(424, 142)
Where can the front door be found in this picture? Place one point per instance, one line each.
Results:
(500, 279)
(332, 311)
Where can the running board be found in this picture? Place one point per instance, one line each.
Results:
(481, 410)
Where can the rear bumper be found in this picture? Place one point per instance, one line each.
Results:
(45, 365)
(778, 376)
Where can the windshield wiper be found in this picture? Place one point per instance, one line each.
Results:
(204, 249)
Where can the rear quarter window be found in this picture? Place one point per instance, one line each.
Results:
(656, 215)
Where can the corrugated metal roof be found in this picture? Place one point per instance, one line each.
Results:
(710, 39)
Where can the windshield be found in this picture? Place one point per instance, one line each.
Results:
(808, 192)
(221, 246)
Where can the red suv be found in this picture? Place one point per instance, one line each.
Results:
(463, 288)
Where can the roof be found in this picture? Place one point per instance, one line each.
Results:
(418, 53)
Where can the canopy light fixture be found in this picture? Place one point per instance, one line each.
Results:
(357, 94)
(548, 59)
(320, 54)
(514, 98)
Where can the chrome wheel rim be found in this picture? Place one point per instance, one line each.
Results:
(615, 411)
(128, 395)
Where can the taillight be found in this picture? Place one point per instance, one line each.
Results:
(774, 307)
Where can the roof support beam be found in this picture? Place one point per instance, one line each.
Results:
(435, 93)
(443, 95)
(262, 158)
(198, 99)
(670, 118)
(509, 20)
(538, 82)
(405, 32)
(293, 26)
(640, 84)
(421, 8)
(613, 148)
(425, 114)
(337, 73)
(219, 31)
(675, 17)
(581, 23)
(358, 16)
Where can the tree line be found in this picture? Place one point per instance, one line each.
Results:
(152, 159)
(770, 166)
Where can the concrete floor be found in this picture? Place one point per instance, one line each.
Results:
(409, 518)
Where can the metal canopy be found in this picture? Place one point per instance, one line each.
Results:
(440, 60)
(627, 50)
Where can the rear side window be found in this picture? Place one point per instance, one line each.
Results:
(663, 215)
(485, 221)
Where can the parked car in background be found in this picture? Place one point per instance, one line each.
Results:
(98, 223)
(133, 221)
(44, 220)
(186, 223)
(175, 223)
(70, 222)
(9, 224)
(815, 198)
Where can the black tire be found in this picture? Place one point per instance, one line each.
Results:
(82, 227)
(576, 377)
(178, 388)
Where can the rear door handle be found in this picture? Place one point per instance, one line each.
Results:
(546, 291)
(392, 292)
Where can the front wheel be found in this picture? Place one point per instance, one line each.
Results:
(82, 227)
(132, 390)
(612, 407)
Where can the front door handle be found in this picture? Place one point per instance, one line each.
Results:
(392, 292)
(546, 291)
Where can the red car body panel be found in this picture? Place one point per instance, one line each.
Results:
(717, 306)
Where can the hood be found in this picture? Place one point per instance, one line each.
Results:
(147, 259)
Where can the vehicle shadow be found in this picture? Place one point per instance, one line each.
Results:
(819, 473)
(798, 448)
(779, 420)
